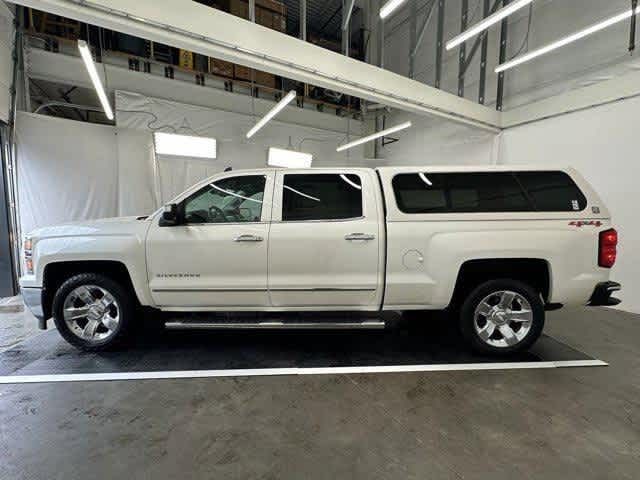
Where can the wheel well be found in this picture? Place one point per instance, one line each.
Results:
(532, 271)
(55, 274)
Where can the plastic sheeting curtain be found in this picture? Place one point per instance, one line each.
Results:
(66, 170)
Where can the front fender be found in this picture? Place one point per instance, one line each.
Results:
(127, 249)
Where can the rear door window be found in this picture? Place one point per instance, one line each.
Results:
(321, 196)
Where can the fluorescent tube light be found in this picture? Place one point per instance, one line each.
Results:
(486, 23)
(279, 157)
(85, 53)
(389, 7)
(373, 136)
(185, 145)
(565, 41)
(272, 113)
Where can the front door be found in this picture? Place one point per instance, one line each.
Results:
(218, 258)
(324, 243)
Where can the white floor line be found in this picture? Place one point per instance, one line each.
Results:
(249, 372)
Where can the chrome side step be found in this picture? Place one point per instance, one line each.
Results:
(182, 325)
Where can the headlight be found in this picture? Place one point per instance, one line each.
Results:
(28, 254)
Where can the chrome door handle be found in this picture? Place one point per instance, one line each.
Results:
(247, 238)
(359, 236)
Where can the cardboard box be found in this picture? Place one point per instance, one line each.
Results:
(264, 17)
(242, 73)
(273, 5)
(220, 67)
(265, 79)
(239, 8)
(259, 78)
(280, 22)
(185, 59)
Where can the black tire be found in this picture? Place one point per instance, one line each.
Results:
(126, 310)
(476, 296)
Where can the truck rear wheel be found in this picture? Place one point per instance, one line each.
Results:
(502, 316)
(92, 311)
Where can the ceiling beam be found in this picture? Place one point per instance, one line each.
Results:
(195, 27)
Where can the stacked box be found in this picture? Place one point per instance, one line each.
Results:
(185, 59)
(221, 67)
(260, 78)
(269, 13)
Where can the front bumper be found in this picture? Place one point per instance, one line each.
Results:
(32, 298)
(602, 294)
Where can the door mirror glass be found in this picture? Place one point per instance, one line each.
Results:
(170, 216)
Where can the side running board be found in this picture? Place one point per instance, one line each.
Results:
(286, 325)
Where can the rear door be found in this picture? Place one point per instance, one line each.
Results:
(325, 240)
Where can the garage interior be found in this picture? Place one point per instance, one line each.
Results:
(552, 83)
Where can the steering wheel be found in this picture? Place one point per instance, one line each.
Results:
(218, 211)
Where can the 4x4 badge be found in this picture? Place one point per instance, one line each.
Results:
(582, 223)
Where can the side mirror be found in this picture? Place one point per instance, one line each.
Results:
(170, 216)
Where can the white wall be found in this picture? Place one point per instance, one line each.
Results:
(6, 59)
(432, 141)
(602, 143)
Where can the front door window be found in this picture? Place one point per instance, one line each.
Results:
(230, 200)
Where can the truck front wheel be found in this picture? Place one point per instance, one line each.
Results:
(502, 316)
(92, 311)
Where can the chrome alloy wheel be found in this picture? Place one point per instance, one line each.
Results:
(503, 318)
(91, 313)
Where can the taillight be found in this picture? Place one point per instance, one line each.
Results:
(607, 248)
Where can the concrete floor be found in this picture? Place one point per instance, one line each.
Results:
(16, 325)
(561, 423)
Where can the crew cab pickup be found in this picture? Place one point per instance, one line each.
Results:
(496, 246)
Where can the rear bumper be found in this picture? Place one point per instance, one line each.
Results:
(32, 297)
(602, 294)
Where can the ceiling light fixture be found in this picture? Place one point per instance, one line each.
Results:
(389, 7)
(487, 23)
(279, 157)
(272, 113)
(566, 40)
(185, 145)
(85, 53)
(373, 136)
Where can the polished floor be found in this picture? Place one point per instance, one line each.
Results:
(548, 423)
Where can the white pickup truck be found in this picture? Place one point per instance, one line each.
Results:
(496, 246)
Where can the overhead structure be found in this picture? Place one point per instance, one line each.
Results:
(207, 31)
(567, 40)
